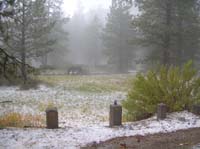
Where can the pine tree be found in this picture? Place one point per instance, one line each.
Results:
(56, 38)
(93, 32)
(29, 30)
(117, 34)
(6, 11)
(187, 30)
(76, 27)
(171, 27)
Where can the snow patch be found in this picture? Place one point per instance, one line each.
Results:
(77, 136)
(83, 118)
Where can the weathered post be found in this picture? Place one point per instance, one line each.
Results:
(196, 109)
(161, 111)
(115, 117)
(52, 118)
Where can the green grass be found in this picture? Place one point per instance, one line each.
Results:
(94, 84)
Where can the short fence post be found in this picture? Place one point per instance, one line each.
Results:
(115, 117)
(161, 111)
(196, 109)
(52, 118)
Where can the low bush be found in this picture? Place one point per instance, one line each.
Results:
(177, 87)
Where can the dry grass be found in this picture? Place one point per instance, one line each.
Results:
(21, 121)
(42, 106)
(98, 83)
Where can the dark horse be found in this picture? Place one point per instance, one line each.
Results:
(75, 70)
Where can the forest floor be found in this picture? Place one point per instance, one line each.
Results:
(181, 139)
(83, 107)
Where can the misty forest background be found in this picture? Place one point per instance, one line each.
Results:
(131, 35)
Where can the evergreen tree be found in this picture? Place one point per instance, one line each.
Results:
(29, 30)
(187, 33)
(117, 34)
(6, 11)
(56, 47)
(171, 27)
(93, 42)
(76, 27)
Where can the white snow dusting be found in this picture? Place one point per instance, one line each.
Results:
(83, 118)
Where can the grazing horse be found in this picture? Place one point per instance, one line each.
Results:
(75, 70)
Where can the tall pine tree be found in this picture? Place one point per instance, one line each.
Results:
(29, 30)
(117, 34)
(171, 27)
(93, 42)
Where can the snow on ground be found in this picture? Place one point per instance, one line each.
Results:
(75, 137)
(75, 108)
(83, 118)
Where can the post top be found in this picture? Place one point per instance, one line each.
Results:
(162, 104)
(52, 109)
(115, 102)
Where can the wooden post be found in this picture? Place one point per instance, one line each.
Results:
(52, 118)
(115, 117)
(161, 111)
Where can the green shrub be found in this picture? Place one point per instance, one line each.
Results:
(177, 87)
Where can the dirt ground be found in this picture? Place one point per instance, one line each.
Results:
(182, 139)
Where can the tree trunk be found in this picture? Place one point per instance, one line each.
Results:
(4, 65)
(167, 40)
(123, 59)
(179, 55)
(44, 59)
(23, 49)
(23, 67)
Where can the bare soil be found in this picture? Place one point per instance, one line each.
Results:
(182, 139)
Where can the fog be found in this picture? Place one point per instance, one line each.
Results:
(70, 6)
(79, 73)
(116, 36)
(86, 45)
(84, 36)
(86, 21)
